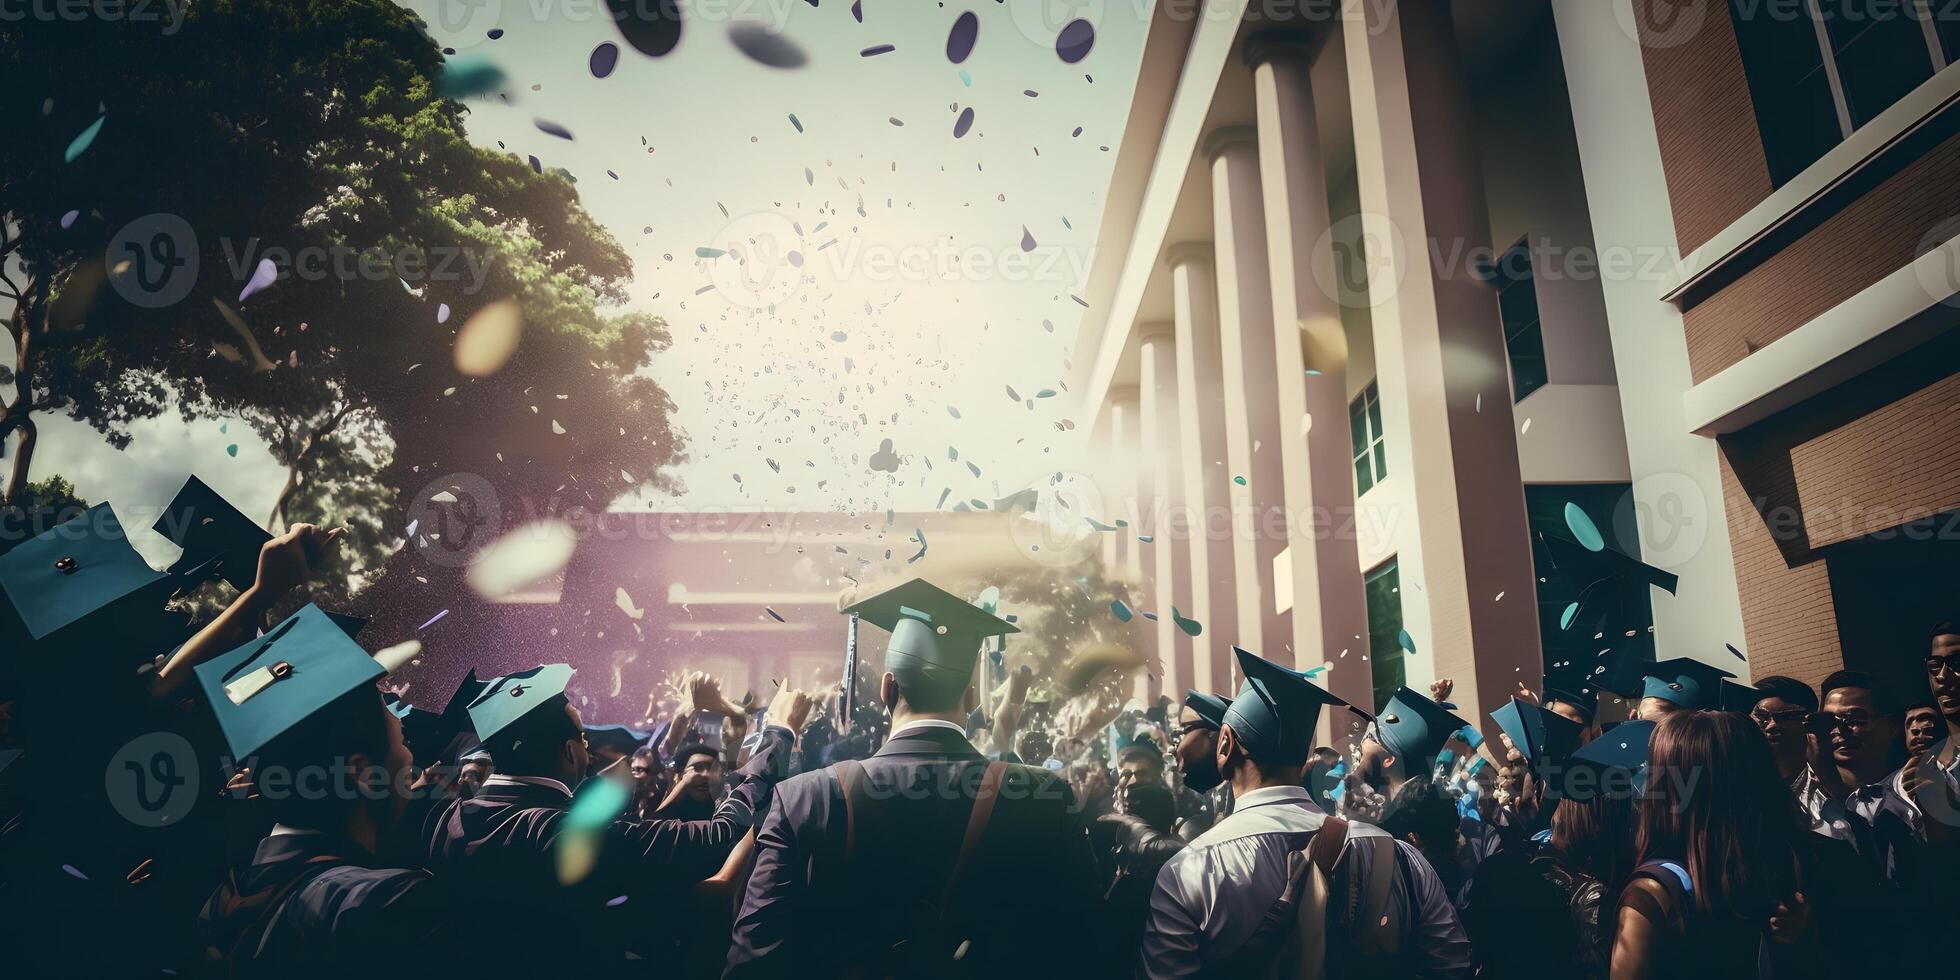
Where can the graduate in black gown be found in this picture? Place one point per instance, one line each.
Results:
(535, 862)
(333, 771)
(924, 859)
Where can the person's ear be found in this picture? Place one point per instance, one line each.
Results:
(1227, 750)
(888, 691)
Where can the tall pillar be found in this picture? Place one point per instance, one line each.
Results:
(1128, 493)
(1439, 355)
(1157, 418)
(1330, 608)
(1207, 485)
(1252, 429)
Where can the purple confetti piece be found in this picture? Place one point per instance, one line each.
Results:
(68, 220)
(857, 11)
(876, 50)
(442, 312)
(960, 40)
(550, 128)
(773, 614)
(1027, 239)
(766, 47)
(263, 276)
(432, 621)
(71, 869)
(604, 59)
(964, 124)
(1076, 39)
(616, 901)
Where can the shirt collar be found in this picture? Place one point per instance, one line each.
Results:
(1273, 794)
(281, 830)
(501, 779)
(913, 726)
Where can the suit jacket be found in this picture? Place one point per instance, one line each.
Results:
(508, 849)
(333, 916)
(1021, 897)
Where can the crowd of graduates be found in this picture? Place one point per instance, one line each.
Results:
(248, 798)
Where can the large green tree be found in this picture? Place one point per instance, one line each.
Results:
(313, 134)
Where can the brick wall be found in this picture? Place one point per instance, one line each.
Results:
(1711, 151)
(1877, 452)
(1873, 236)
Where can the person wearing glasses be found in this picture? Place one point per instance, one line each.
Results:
(1783, 714)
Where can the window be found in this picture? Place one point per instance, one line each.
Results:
(1517, 304)
(1386, 658)
(1365, 427)
(1819, 69)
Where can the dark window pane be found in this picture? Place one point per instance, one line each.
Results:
(1358, 426)
(1375, 410)
(1881, 52)
(1946, 17)
(1784, 62)
(1381, 463)
(1386, 658)
(1363, 477)
(1524, 340)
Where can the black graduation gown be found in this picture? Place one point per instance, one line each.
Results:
(1024, 896)
(305, 908)
(501, 849)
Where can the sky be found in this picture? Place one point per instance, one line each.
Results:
(837, 267)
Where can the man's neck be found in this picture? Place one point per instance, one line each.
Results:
(1247, 778)
(903, 716)
(1790, 766)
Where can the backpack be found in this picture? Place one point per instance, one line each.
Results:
(1321, 900)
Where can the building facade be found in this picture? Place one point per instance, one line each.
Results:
(1388, 289)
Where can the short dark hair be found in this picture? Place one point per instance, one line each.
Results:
(1945, 627)
(691, 749)
(1141, 753)
(356, 723)
(1882, 699)
(1788, 689)
(530, 746)
(1153, 804)
(929, 694)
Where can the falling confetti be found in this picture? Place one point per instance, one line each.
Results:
(604, 59)
(550, 128)
(1121, 611)
(1073, 44)
(488, 339)
(1582, 527)
(964, 123)
(1565, 618)
(80, 144)
(876, 50)
(523, 557)
(652, 27)
(766, 47)
(1191, 627)
(960, 41)
(432, 619)
(1406, 641)
(773, 614)
(471, 76)
(265, 275)
(1027, 239)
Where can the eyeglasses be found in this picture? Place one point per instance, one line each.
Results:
(1793, 718)
(1950, 661)
(1856, 722)
(1177, 732)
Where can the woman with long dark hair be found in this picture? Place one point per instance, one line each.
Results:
(1719, 883)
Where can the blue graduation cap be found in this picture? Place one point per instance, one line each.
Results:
(421, 730)
(1592, 769)
(508, 699)
(1542, 735)
(1274, 715)
(265, 687)
(1687, 682)
(217, 539)
(620, 739)
(1209, 707)
(59, 580)
(936, 635)
(1415, 728)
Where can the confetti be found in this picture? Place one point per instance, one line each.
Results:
(1073, 44)
(652, 27)
(1565, 618)
(432, 619)
(876, 50)
(1406, 641)
(524, 557)
(773, 614)
(488, 339)
(1582, 527)
(960, 40)
(80, 144)
(265, 275)
(550, 128)
(470, 76)
(964, 123)
(604, 59)
(1121, 611)
(68, 219)
(1191, 627)
(766, 47)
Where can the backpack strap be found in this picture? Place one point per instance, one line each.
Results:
(1381, 933)
(976, 824)
(1675, 883)
(850, 781)
(1325, 848)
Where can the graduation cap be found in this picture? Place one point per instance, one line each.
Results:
(622, 739)
(1574, 685)
(507, 700)
(936, 635)
(216, 538)
(1738, 697)
(350, 625)
(1687, 682)
(1416, 728)
(58, 582)
(262, 689)
(1602, 762)
(422, 730)
(1542, 735)
(1209, 707)
(1276, 710)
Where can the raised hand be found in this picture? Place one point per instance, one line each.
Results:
(288, 560)
(790, 708)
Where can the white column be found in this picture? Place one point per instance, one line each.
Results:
(1252, 430)
(1330, 608)
(1207, 485)
(1157, 385)
(1127, 492)
(1439, 356)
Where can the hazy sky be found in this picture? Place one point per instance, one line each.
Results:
(914, 298)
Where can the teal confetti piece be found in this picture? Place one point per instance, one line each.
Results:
(1565, 618)
(1146, 538)
(1408, 642)
(79, 145)
(705, 252)
(1191, 627)
(1583, 528)
(1098, 525)
(798, 123)
(966, 78)
(601, 801)
(1239, 480)
(1121, 611)
(953, 411)
(232, 450)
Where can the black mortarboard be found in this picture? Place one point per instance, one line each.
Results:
(422, 731)
(1274, 715)
(1687, 682)
(216, 538)
(935, 635)
(1623, 749)
(622, 739)
(1738, 697)
(1209, 707)
(508, 699)
(1416, 728)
